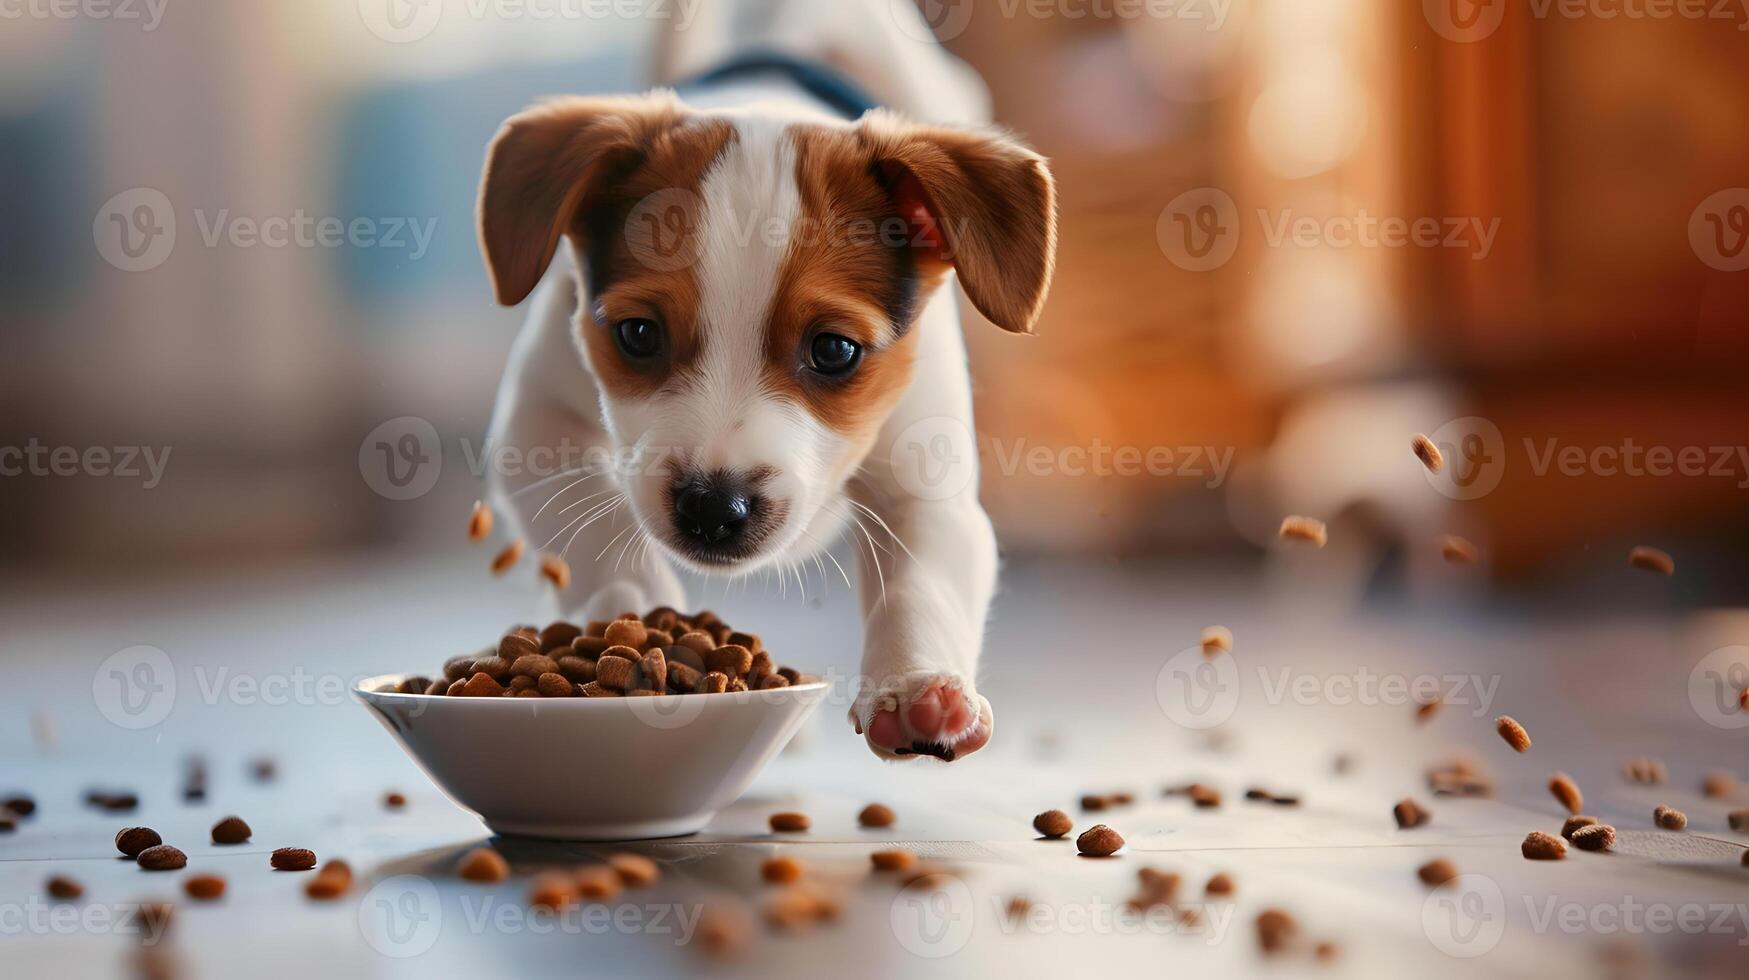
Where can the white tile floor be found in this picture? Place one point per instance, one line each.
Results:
(1089, 695)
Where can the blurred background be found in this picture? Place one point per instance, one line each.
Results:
(1293, 235)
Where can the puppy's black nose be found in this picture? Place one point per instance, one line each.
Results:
(712, 513)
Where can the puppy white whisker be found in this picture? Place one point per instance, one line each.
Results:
(572, 539)
(584, 479)
(543, 481)
(585, 516)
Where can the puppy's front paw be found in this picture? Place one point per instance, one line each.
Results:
(923, 713)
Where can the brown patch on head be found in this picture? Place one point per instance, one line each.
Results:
(621, 176)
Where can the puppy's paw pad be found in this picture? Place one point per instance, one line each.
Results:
(935, 715)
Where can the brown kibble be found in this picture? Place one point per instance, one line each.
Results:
(797, 906)
(481, 685)
(700, 643)
(714, 682)
(1574, 823)
(683, 678)
(616, 673)
(1739, 819)
(780, 870)
(513, 646)
(1743, 699)
(553, 892)
(789, 822)
(533, 665)
(132, 840)
(204, 887)
(1094, 802)
(64, 888)
(231, 830)
(326, 887)
(1652, 560)
(634, 870)
(593, 689)
(627, 633)
(557, 638)
(458, 668)
(1427, 453)
(1326, 951)
(1669, 818)
(1425, 710)
(1309, 530)
(876, 815)
(1220, 883)
(1216, 640)
(598, 881)
(1566, 792)
(1204, 797)
(511, 554)
(1157, 888)
(554, 570)
(553, 685)
(1539, 846)
(1456, 550)
(1436, 872)
(161, 857)
(576, 669)
(1410, 814)
(480, 521)
(483, 864)
(1099, 841)
(1718, 785)
(394, 801)
(1513, 733)
(897, 859)
(723, 928)
(1644, 770)
(731, 660)
(292, 859)
(1018, 907)
(653, 671)
(1052, 823)
(1276, 930)
(1595, 837)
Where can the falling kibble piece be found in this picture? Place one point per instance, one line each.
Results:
(1669, 818)
(163, 857)
(1652, 560)
(1743, 699)
(780, 870)
(292, 859)
(483, 864)
(1099, 841)
(1276, 930)
(1566, 792)
(1410, 814)
(511, 554)
(1094, 802)
(1220, 883)
(1539, 846)
(204, 888)
(394, 801)
(876, 815)
(1644, 770)
(1513, 733)
(1436, 872)
(1596, 837)
(1456, 550)
(790, 822)
(231, 830)
(554, 570)
(1326, 951)
(132, 840)
(1204, 797)
(63, 888)
(1719, 785)
(553, 892)
(598, 881)
(635, 870)
(480, 521)
(22, 806)
(1428, 453)
(723, 928)
(1739, 819)
(1426, 710)
(1216, 640)
(897, 859)
(1575, 823)
(1306, 529)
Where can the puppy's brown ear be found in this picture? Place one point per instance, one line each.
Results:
(981, 202)
(541, 166)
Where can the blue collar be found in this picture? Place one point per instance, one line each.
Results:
(833, 89)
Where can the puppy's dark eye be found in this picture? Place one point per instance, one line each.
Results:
(833, 354)
(638, 338)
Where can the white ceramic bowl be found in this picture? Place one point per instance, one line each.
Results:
(593, 768)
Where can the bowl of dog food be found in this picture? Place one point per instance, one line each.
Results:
(638, 727)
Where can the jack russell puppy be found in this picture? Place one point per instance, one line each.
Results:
(754, 301)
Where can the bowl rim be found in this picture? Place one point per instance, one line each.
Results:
(365, 688)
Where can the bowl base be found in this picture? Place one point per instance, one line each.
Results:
(631, 830)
